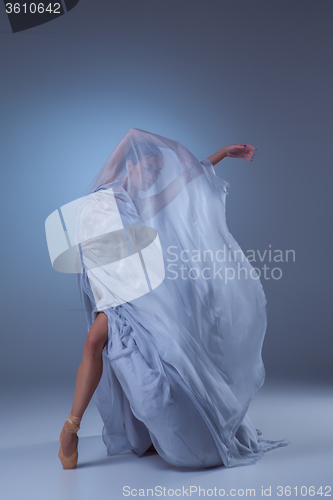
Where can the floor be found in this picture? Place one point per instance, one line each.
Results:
(31, 421)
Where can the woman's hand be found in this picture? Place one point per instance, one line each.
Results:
(240, 150)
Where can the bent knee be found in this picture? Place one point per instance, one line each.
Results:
(93, 347)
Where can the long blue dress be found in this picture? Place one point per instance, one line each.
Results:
(183, 362)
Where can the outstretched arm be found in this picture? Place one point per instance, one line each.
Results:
(238, 150)
(149, 207)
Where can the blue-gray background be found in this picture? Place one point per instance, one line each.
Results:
(207, 73)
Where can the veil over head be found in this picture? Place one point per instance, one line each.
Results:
(186, 310)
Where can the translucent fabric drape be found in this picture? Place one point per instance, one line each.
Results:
(186, 310)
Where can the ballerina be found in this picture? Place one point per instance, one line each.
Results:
(175, 368)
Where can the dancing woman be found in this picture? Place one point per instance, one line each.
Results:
(172, 357)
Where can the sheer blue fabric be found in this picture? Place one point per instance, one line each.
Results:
(182, 362)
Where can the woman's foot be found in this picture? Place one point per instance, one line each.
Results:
(68, 453)
(69, 442)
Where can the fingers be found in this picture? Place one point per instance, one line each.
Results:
(247, 156)
(248, 152)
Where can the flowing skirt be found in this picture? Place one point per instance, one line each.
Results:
(143, 400)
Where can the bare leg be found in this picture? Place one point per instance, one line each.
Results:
(88, 375)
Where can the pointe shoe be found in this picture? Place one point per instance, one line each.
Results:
(72, 424)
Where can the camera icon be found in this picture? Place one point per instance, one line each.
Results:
(87, 235)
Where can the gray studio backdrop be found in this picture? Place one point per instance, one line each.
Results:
(207, 73)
